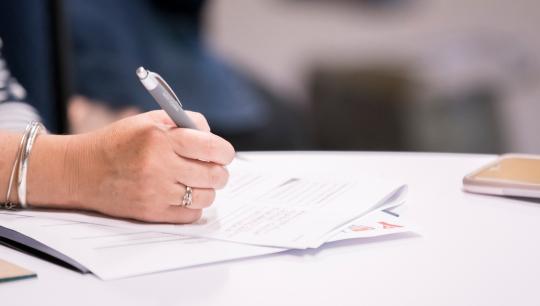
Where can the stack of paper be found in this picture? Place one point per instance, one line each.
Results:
(258, 213)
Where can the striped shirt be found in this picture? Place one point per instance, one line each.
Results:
(15, 114)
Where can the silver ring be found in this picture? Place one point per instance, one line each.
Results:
(188, 197)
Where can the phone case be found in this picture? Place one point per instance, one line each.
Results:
(501, 187)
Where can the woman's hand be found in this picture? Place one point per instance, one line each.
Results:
(139, 168)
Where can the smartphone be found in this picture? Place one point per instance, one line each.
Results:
(510, 175)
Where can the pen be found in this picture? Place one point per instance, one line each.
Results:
(165, 97)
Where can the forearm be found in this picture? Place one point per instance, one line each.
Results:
(8, 151)
(50, 171)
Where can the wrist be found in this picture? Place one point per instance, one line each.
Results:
(53, 172)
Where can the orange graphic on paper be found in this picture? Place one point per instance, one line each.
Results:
(387, 225)
(360, 228)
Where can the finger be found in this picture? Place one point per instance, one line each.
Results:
(179, 215)
(161, 117)
(198, 174)
(199, 120)
(202, 146)
(201, 197)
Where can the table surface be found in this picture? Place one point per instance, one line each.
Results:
(470, 250)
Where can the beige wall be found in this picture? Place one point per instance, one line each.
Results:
(278, 40)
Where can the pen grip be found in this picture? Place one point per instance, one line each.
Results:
(172, 108)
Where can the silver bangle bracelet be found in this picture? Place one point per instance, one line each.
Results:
(29, 140)
(8, 203)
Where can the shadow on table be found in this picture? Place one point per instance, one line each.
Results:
(533, 202)
(353, 242)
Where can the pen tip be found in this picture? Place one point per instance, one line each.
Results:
(141, 72)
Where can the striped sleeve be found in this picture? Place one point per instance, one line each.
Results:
(15, 114)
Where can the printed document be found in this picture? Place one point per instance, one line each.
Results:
(112, 251)
(290, 212)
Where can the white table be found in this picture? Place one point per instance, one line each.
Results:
(472, 250)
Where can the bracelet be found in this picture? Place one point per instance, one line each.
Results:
(32, 133)
(9, 204)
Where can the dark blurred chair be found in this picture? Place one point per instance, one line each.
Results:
(112, 38)
(383, 108)
(34, 45)
(359, 109)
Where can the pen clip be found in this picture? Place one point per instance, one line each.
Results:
(167, 87)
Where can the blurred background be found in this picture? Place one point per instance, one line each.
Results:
(407, 75)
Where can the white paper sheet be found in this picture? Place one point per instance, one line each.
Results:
(112, 252)
(283, 211)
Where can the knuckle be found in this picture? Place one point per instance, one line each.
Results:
(211, 196)
(205, 198)
(150, 133)
(217, 177)
(183, 141)
(199, 118)
(197, 115)
(211, 145)
(225, 177)
(188, 174)
(230, 154)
